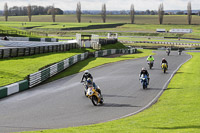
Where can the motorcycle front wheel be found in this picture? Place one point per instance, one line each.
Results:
(94, 100)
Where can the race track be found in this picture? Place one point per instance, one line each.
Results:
(62, 103)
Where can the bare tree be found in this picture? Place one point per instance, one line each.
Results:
(189, 14)
(132, 13)
(160, 13)
(78, 12)
(6, 11)
(53, 14)
(29, 12)
(103, 13)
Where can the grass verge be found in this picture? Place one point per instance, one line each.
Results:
(177, 110)
(16, 69)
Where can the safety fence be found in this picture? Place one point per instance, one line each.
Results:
(40, 76)
(169, 43)
(32, 39)
(15, 52)
(102, 53)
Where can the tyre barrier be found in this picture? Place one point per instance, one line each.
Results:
(42, 75)
(13, 88)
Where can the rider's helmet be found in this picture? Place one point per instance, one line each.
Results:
(163, 58)
(143, 68)
(150, 56)
(86, 72)
(89, 81)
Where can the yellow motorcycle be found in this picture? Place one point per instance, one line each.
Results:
(164, 67)
(94, 96)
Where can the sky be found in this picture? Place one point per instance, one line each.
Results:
(110, 4)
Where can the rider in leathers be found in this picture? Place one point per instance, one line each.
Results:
(145, 72)
(164, 61)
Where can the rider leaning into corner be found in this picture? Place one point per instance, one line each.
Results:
(150, 59)
(164, 61)
(86, 75)
(145, 72)
(91, 83)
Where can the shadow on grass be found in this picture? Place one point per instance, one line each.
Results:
(90, 27)
(179, 127)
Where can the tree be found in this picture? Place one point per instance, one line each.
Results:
(103, 13)
(29, 12)
(78, 12)
(132, 13)
(53, 14)
(160, 13)
(148, 12)
(6, 11)
(189, 14)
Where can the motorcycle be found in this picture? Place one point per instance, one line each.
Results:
(179, 52)
(94, 96)
(168, 52)
(150, 63)
(164, 67)
(144, 81)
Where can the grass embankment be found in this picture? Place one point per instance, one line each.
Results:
(177, 110)
(16, 69)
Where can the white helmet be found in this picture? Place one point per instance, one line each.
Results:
(86, 71)
(143, 68)
(163, 58)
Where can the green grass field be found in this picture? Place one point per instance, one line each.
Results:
(177, 110)
(16, 69)
(139, 19)
(146, 24)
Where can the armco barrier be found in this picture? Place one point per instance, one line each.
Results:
(102, 53)
(13, 88)
(40, 76)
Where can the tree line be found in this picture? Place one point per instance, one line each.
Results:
(51, 10)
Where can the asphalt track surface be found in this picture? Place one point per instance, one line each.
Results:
(62, 103)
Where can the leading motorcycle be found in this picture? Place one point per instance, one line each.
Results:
(150, 63)
(94, 95)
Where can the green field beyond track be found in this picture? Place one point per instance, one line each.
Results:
(177, 110)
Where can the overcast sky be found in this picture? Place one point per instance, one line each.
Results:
(110, 4)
